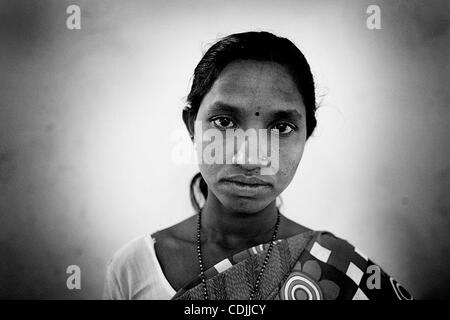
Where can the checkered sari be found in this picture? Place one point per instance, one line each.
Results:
(314, 265)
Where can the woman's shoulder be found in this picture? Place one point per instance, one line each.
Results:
(125, 267)
(131, 254)
(138, 248)
(337, 259)
(178, 234)
(324, 243)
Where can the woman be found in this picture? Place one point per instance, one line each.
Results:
(239, 245)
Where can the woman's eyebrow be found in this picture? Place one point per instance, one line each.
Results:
(220, 106)
(287, 114)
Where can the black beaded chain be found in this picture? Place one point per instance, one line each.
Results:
(263, 268)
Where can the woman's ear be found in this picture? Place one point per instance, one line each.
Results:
(189, 119)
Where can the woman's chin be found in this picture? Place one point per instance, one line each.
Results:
(245, 205)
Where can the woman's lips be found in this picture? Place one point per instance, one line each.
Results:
(250, 187)
(246, 180)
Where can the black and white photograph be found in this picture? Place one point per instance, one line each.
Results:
(224, 150)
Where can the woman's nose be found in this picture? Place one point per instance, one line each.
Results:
(251, 155)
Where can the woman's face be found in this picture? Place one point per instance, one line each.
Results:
(254, 95)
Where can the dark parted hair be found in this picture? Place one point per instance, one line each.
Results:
(254, 45)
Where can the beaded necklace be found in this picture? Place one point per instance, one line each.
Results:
(261, 272)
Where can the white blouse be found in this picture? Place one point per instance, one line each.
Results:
(134, 273)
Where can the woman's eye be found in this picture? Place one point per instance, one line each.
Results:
(223, 123)
(283, 128)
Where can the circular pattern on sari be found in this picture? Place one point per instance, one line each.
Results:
(401, 292)
(305, 283)
(300, 287)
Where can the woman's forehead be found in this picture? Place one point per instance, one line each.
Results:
(252, 79)
(253, 83)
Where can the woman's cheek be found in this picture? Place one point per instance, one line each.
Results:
(210, 171)
(289, 161)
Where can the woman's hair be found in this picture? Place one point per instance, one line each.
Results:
(259, 46)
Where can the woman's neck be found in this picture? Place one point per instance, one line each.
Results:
(233, 229)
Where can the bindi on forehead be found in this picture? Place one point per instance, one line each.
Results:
(256, 113)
